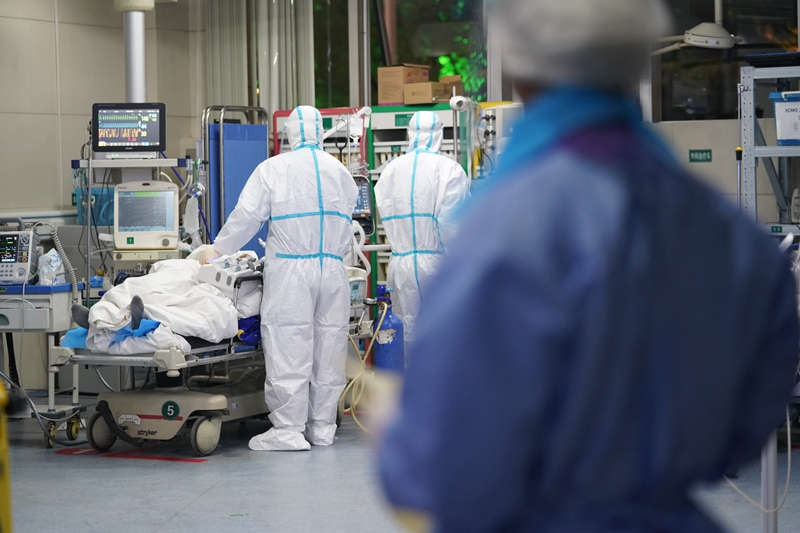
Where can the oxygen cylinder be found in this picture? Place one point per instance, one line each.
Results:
(388, 349)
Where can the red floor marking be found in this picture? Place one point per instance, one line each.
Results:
(76, 451)
(134, 454)
(156, 458)
(132, 451)
(127, 454)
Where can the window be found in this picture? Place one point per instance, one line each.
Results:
(447, 35)
(701, 84)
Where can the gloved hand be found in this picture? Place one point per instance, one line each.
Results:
(204, 254)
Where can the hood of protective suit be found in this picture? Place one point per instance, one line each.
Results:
(425, 132)
(304, 127)
(601, 44)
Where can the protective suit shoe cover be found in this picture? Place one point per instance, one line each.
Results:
(279, 440)
(321, 435)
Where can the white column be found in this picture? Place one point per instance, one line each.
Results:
(135, 61)
(494, 58)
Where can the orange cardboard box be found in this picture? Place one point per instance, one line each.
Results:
(426, 93)
(454, 81)
(391, 81)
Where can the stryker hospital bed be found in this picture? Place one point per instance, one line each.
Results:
(198, 385)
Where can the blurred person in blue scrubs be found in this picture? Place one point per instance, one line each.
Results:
(606, 331)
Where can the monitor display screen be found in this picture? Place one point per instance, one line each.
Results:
(145, 211)
(8, 248)
(128, 127)
(363, 203)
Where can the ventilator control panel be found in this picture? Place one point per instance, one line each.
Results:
(18, 256)
(363, 213)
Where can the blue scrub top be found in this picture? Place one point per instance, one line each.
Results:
(605, 332)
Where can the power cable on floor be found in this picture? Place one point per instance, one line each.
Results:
(357, 385)
(41, 419)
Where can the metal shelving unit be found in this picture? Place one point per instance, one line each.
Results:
(754, 147)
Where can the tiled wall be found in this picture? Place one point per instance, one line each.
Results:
(51, 74)
(721, 137)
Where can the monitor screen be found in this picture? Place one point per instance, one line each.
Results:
(145, 211)
(364, 203)
(363, 210)
(128, 127)
(8, 248)
(146, 215)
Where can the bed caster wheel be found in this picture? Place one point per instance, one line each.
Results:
(99, 435)
(50, 435)
(204, 437)
(73, 427)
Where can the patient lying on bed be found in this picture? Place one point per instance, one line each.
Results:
(158, 310)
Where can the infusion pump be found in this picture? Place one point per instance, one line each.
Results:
(19, 256)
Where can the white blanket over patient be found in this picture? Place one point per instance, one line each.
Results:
(171, 295)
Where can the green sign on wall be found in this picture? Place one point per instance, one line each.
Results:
(402, 120)
(700, 156)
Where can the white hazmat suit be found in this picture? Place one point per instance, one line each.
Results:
(418, 195)
(308, 198)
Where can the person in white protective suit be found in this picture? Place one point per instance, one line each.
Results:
(418, 195)
(308, 198)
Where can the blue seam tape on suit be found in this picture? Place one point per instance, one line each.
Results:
(321, 209)
(409, 215)
(416, 252)
(413, 218)
(309, 256)
(311, 214)
(430, 137)
(302, 126)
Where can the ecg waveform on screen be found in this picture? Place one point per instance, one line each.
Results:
(125, 129)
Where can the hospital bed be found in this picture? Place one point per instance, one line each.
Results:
(195, 392)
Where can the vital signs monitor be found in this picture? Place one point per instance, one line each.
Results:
(146, 215)
(129, 127)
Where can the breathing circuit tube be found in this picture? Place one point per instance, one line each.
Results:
(358, 243)
(69, 270)
(357, 384)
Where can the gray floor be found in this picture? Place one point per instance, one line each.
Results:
(329, 489)
(325, 490)
(736, 515)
